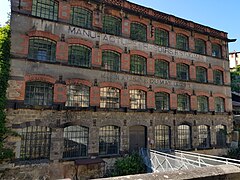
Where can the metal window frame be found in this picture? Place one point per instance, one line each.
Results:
(161, 37)
(219, 104)
(184, 136)
(138, 65)
(81, 17)
(202, 104)
(216, 50)
(111, 60)
(221, 137)
(183, 102)
(138, 99)
(109, 97)
(201, 74)
(217, 77)
(182, 71)
(162, 137)
(138, 31)
(79, 55)
(162, 69)
(162, 101)
(204, 138)
(200, 46)
(182, 42)
(112, 25)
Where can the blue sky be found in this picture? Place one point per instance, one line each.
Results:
(219, 14)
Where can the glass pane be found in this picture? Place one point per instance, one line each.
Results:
(184, 137)
(202, 103)
(200, 46)
(161, 37)
(112, 25)
(182, 72)
(79, 56)
(111, 60)
(203, 136)
(201, 74)
(216, 50)
(137, 99)
(109, 97)
(81, 17)
(217, 77)
(182, 42)
(162, 69)
(138, 32)
(162, 137)
(183, 102)
(162, 101)
(221, 138)
(138, 65)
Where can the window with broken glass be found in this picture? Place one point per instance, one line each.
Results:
(81, 17)
(112, 25)
(162, 101)
(221, 135)
(183, 102)
(111, 60)
(201, 74)
(202, 103)
(162, 137)
(109, 97)
(182, 72)
(138, 32)
(182, 42)
(200, 46)
(203, 136)
(161, 37)
(137, 99)
(219, 104)
(217, 77)
(138, 65)
(162, 69)
(216, 50)
(184, 137)
(79, 55)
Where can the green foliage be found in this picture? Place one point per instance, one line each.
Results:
(234, 153)
(235, 79)
(131, 164)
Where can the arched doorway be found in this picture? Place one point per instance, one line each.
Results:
(137, 138)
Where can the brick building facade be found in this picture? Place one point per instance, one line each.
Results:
(102, 78)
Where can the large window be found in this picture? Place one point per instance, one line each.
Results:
(184, 137)
(112, 25)
(78, 96)
(201, 74)
(162, 69)
(217, 77)
(109, 97)
(75, 141)
(35, 143)
(202, 103)
(111, 60)
(138, 65)
(182, 42)
(183, 102)
(79, 56)
(162, 101)
(39, 93)
(161, 37)
(221, 135)
(200, 46)
(81, 17)
(138, 32)
(219, 104)
(137, 99)
(42, 49)
(216, 50)
(162, 137)
(182, 72)
(45, 9)
(203, 136)
(109, 140)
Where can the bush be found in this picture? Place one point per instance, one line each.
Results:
(234, 153)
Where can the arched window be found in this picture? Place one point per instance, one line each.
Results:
(109, 97)
(39, 94)
(78, 95)
(42, 49)
(138, 65)
(81, 17)
(79, 55)
(161, 37)
(184, 137)
(183, 102)
(200, 46)
(162, 69)
(219, 104)
(111, 60)
(182, 72)
(112, 25)
(182, 42)
(162, 137)
(202, 103)
(221, 136)
(203, 136)
(75, 141)
(45, 9)
(138, 32)
(217, 77)
(137, 99)
(35, 143)
(201, 74)
(109, 140)
(162, 101)
(216, 50)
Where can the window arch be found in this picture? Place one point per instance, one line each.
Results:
(201, 74)
(182, 42)
(221, 138)
(112, 25)
(161, 37)
(79, 55)
(45, 9)
(35, 143)
(162, 101)
(42, 49)
(111, 60)
(203, 136)
(38, 93)
(138, 32)
(138, 65)
(109, 140)
(81, 17)
(109, 97)
(219, 104)
(217, 77)
(202, 103)
(182, 71)
(75, 141)
(200, 46)
(78, 95)
(162, 69)
(162, 137)
(216, 50)
(184, 137)
(137, 99)
(183, 102)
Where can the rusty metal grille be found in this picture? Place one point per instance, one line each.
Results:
(162, 137)
(162, 69)
(203, 136)
(109, 97)
(138, 32)
(109, 140)
(45, 9)
(79, 56)
(184, 137)
(112, 25)
(81, 17)
(75, 141)
(161, 37)
(111, 60)
(182, 42)
(137, 99)
(35, 143)
(138, 65)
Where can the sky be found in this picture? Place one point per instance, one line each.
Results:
(218, 14)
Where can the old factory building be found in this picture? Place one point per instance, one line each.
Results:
(102, 78)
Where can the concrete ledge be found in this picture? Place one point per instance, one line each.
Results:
(220, 172)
